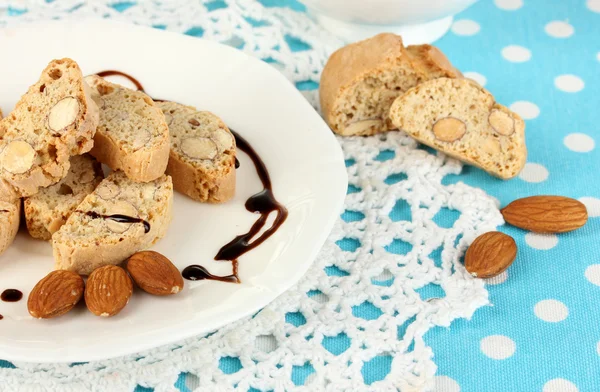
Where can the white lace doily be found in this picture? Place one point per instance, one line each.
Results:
(356, 321)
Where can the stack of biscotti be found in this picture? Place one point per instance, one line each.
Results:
(361, 81)
(377, 85)
(53, 121)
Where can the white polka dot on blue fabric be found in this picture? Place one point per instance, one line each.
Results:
(594, 5)
(559, 29)
(509, 5)
(592, 204)
(516, 54)
(476, 76)
(598, 348)
(579, 142)
(569, 83)
(560, 385)
(592, 274)
(446, 384)
(465, 27)
(551, 310)
(527, 110)
(534, 172)
(497, 347)
(541, 241)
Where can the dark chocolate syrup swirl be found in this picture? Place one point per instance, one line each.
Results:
(111, 72)
(198, 272)
(11, 295)
(119, 218)
(262, 203)
(1, 317)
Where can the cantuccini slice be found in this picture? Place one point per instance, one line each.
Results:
(132, 135)
(53, 121)
(118, 219)
(462, 119)
(10, 216)
(202, 158)
(360, 81)
(49, 209)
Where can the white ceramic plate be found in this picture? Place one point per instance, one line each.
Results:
(302, 156)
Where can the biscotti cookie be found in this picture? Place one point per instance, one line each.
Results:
(132, 135)
(49, 209)
(118, 219)
(360, 81)
(10, 215)
(464, 121)
(53, 121)
(202, 158)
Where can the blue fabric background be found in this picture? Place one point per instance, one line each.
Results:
(569, 348)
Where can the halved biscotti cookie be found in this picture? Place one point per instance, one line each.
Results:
(118, 219)
(53, 121)
(202, 158)
(49, 209)
(360, 81)
(132, 135)
(10, 216)
(462, 119)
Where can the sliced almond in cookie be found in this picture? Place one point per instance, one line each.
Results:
(199, 148)
(463, 121)
(133, 135)
(202, 160)
(63, 114)
(17, 157)
(449, 129)
(49, 209)
(104, 232)
(54, 120)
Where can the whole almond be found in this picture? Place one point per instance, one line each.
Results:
(490, 254)
(154, 273)
(56, 294)
(108, 290)
(546, 214)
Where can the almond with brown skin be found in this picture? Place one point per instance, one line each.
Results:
(108, 290)
(490, 254)
(154, 273)
(55, 294)
(546, 214)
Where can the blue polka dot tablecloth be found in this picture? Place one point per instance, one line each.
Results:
(541, 58)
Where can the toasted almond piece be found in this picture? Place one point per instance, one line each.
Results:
(168, 118)
(199, 148)
(63, 114)
(108, 290)
(120, 207)
(502, 122)
(360, 127)
(490, 254)
(56, 294)
(546, 214)
(222, 139)
(17, 157)
(108, 191)
(140, 138)
(154, 273)
(491, 146)
(449, 129)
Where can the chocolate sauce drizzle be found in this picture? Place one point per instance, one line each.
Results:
(263, 203)
(11, 295)
(119, 218)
